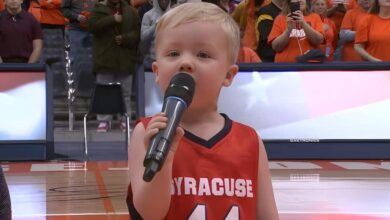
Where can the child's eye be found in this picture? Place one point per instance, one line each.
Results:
(203, 55)
(173, 54)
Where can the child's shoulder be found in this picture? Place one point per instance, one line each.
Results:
(244, 128)
(240, 128)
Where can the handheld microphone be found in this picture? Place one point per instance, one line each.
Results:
(177, 98)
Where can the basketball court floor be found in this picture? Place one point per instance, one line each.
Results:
(96, 190)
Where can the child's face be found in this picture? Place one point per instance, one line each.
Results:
(200, 49)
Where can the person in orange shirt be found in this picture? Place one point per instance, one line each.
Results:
(246, 54)
(373, 35)
(337, 10)
(35, 9)
(351, 21)
(51, 16)
(295, 32)
(245, 15)
(320, 7)
(1, 5)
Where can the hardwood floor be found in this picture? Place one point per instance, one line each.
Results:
(97, 190)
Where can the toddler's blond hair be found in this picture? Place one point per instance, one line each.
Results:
(204, 12)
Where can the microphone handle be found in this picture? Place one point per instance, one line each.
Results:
(160, 145)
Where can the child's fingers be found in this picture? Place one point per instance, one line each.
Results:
(149, 134)
(175, 142)
(157, 122)
(157, 116)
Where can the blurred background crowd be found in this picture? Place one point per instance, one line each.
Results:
(105, 41)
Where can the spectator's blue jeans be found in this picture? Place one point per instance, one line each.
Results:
(79, 39)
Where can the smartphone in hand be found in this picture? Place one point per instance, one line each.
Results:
(294, 6)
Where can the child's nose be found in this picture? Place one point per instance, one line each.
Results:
(186, 66)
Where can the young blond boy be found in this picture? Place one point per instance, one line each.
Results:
(216, 168)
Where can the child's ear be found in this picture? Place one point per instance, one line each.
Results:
(155, 70)
(233, 70)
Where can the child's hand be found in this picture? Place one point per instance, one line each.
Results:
(160, 121)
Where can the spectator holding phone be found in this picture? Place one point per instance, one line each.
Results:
(372, 40)
(295, 31)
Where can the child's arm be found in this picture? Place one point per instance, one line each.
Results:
(266, 206)
(151, 199)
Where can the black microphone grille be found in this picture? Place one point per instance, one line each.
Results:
(182, 85)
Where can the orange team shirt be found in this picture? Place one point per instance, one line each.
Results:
(330, 39)
(337, 16)
(351, 21)
(247, 55)
(374, 32)
(1, 5)
(50, 12)
(215, 179)
(298, 44)
(35, 10)
(245, 16)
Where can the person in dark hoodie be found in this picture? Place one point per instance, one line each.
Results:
(149, 23)
(115, 28)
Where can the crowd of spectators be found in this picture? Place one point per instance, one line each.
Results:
(269, 27)
(272, 31)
